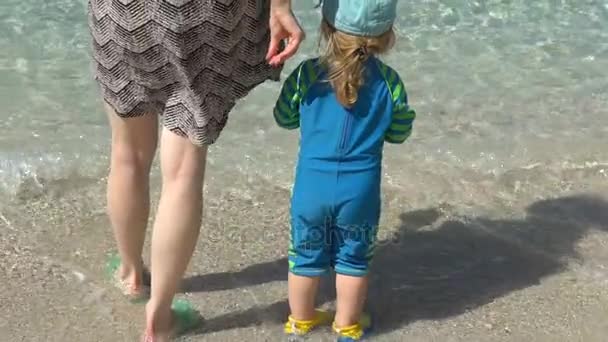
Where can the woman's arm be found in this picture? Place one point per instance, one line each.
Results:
(283, 26)
(275, 4)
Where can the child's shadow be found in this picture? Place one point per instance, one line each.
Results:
(433, 269)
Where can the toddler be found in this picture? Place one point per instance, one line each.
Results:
(347, 104)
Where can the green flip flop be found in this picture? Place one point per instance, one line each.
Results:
(186, 317)
(185, 320)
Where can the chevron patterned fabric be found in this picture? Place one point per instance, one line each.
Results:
(189, 60)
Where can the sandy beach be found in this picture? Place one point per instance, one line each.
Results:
(536, 274)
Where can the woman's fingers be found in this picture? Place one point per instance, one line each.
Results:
(283, 26)
(293, 44)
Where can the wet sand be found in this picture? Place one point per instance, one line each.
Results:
(534, 272)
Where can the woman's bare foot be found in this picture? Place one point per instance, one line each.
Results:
(132, 280)
(159, 324)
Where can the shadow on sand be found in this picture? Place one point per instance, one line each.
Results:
(434, 269)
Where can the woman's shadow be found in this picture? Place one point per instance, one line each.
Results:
(434, 268)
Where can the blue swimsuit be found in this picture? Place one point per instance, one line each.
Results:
(335, 205)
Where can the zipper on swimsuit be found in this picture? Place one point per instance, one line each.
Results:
(345, 131)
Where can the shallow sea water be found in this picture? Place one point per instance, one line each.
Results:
(501, 88)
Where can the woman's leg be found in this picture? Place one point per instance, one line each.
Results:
(176, 228)
(133, 148)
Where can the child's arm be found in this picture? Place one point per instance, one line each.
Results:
(287, 109)
(403, 116)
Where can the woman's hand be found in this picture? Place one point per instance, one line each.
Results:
(283, 26)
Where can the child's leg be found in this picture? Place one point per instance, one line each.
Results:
(351, 295)
(309, 255)
(308, 260)
(358, 214)
(302, 294)
(356, 248)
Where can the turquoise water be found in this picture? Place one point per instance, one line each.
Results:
(512, 99)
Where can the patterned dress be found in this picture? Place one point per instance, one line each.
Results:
(188, 60)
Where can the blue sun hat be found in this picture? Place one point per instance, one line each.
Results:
(367, 18)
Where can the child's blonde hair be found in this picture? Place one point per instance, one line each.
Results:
(345, 56)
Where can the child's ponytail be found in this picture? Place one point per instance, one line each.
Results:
(345, 58)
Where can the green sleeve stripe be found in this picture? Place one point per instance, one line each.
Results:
(295, 101)
(397, 132)
(402, 122)
(384, 71)
(399, 128)
(392, 75)
(290, 94)
(397, 138)
(302, 86)
(288, 91)
(287, 124)
(286, 99)
(284, 117)
(310, 71)
(285, 109)
(292, 82)
(306, 77)
(279, 117)
(404, 114)
(398, 92)
(394, 84)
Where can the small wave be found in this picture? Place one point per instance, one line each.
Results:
(26, 176)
